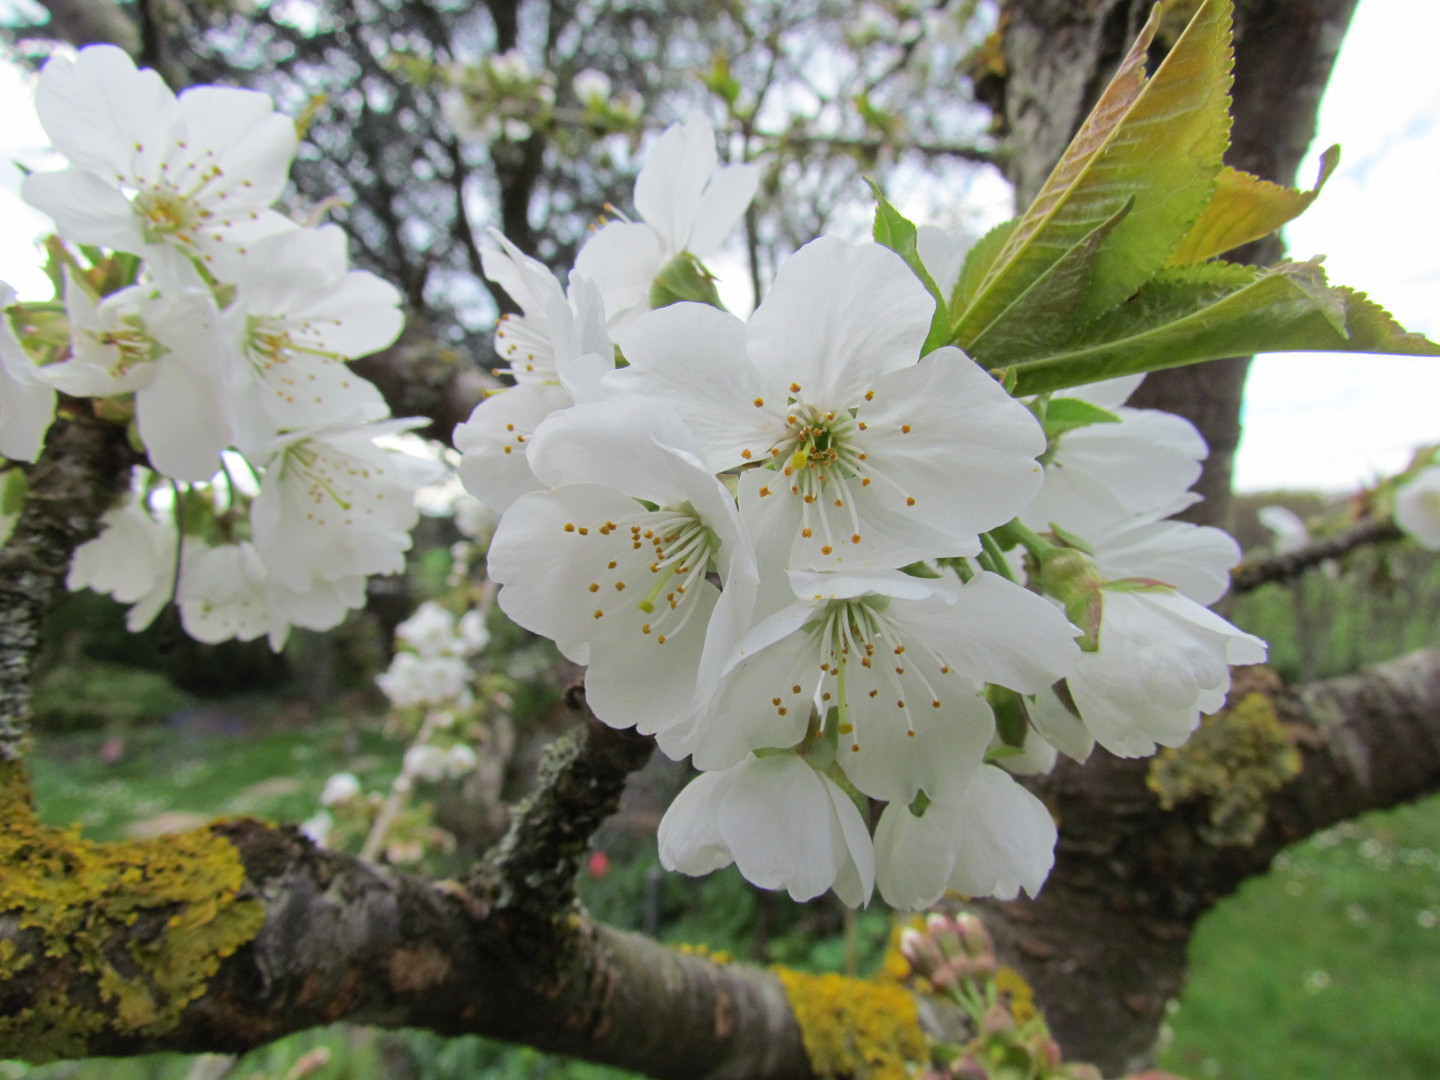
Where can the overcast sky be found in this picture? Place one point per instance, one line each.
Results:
(1311, 420)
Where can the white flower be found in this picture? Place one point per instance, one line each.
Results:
(421, 680)
(993, 838)
(227, 593)
(620, 584)
(557, 351)
(785, 825)
(472, 632)
(1195, 559)
(318, 827)
(460, 759)
(299, 315)
(426, 762)
(1417, 508)
(1290, 531)
(1163, 660)
(170, 180)
(335, 503)
(686, 204)
(341, 787)
(162, 346)
(1103, 473)
(872, 457)
(132, 560)
(430, 631)
(27, 404)
(896, 664)
(592, 88)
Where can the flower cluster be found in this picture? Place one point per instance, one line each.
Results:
(827, 567)
(222, 330)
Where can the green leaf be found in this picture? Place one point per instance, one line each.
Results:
(1214, 310)
(898, 233)
(1157, 140)
(1064, 414)
(1245, 208)
(978, 261)
(1044, 315)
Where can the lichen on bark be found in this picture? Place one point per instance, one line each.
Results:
(1234, 761)
(111, 937)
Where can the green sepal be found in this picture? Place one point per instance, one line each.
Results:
(898, 233)
(1072, 540)
(1012, 722)
(1138, 585)
(684, 278)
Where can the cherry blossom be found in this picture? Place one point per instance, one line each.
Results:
(613, 563)
(782, 822)
(862, 452)
(172, 179)
(1417, 508)
(27, 403)
(687, 205)
(896, 665)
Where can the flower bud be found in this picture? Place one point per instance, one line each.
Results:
(1072, 577)
(997, 1021)
(921, 953)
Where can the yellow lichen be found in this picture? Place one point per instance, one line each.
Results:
(1235, 759)
(1012, 984)
(855, 1027)
(119, 936)
(715, 956)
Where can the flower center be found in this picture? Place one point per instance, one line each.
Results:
(166, 213)
(863, 662)
(824, 468)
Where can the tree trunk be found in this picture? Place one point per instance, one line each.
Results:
(1106, 958)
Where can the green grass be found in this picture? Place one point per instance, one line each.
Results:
(183, 769)
(1327, 967)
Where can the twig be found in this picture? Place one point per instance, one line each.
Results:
(533, 869)
(1251, 575)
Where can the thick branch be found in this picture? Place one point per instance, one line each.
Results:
(1291, 564)
(82, 471)
(1104, 944)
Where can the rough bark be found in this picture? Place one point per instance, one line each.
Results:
(82, 470)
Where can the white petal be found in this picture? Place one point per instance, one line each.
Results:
(692, 358)
(1007, 838)
(622, 259)
(838, 318)
(913, 857)
(493, 466)
(97, 107)
(689, 835)
(86, 209)
(721, 207)
(668, 189)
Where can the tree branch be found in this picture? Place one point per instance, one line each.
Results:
(83, 469)
(1251, 575)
